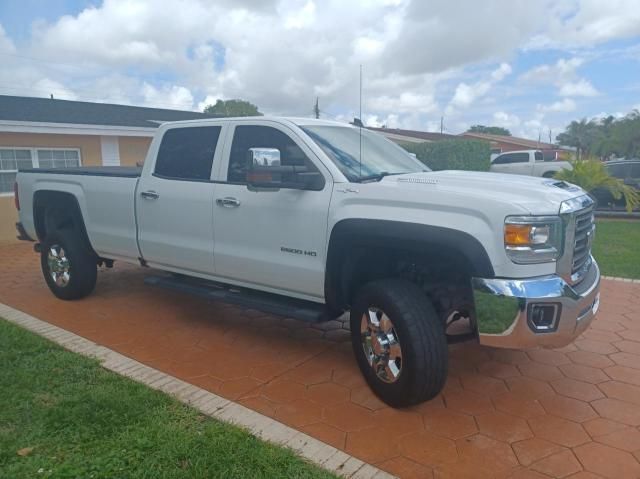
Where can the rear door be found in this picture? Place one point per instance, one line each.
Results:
(174, 204)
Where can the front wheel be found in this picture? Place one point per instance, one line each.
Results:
(68, 266)
(399, 342)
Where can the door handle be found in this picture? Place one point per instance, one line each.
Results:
(150, 195)
(228, 202)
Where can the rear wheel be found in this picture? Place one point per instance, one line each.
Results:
(399, 342)
(68, 266)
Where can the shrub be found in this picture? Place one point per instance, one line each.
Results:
(589, 175)
(453, 154)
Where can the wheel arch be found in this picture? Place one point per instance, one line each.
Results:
(352, 240)
(57, 209)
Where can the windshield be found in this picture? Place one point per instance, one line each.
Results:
(380, 157)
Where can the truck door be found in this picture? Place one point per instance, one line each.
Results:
(174, 203)
(270, 239)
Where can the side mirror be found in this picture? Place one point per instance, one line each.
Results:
(265, 171)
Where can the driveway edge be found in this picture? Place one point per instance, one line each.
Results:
(261, 426)
(623, 280)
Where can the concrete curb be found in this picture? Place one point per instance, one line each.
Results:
(622, 280)
(263, 427)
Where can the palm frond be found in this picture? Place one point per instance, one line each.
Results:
(590, 175)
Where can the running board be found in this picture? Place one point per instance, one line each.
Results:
(247, 298)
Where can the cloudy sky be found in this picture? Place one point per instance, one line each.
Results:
(529, 65)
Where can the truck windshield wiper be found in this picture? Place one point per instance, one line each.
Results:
(376, 177)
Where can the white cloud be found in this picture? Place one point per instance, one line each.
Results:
(6, 45)
(466, 94)
(420, 59)
(578, 88)
(301, 18)
(501, 72)
(588, 23)
(506, 120)
(565, 106)
(170, 96)
(404, 103)
(564, 76)
(563, 69)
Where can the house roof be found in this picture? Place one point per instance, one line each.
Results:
(513, 140)
(420, 135)
(29, 109)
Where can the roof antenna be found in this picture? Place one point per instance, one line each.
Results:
(360, 125)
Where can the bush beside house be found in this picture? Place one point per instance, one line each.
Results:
(453, 154)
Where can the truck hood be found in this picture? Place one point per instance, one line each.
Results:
(538, 196)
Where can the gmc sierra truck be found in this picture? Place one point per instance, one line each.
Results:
(311, 219)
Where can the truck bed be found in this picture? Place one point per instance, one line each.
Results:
(115, 171)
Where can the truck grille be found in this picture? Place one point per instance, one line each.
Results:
(582, 241)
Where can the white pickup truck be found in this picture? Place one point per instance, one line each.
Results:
(310, 219)
(527, 162)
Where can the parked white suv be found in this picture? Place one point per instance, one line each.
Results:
(527, 162)
(309, 219)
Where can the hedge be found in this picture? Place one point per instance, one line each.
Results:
(453, 154)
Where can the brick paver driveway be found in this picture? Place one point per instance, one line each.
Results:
(503, 413)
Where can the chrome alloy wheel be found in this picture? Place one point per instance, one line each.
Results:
(381, 345)
(59, 266)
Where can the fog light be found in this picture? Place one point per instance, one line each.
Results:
(543, 317)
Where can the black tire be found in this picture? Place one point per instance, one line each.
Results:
(420, 333)
(82, 265)
(549, 174)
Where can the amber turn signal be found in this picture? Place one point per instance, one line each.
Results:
(517, 235)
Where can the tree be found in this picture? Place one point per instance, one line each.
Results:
(491, 130)
(580, 134)
(232, 108)
(604, 137)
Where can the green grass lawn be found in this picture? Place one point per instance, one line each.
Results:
(69, 418)
(616, 247)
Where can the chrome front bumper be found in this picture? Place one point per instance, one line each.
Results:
(505, 309)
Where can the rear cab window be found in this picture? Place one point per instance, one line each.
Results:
(187, 153)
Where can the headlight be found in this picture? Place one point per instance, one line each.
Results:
(532, 239)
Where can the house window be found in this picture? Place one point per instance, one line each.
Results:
(11, 160)
(14, 159)
(58, 158)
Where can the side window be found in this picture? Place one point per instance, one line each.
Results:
(511, 158)
(248, 137)
(539, 156)
(187, 153)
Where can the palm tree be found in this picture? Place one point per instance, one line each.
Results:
(580, 134)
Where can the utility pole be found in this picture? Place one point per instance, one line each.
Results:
(316, 109)
(441, 124)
